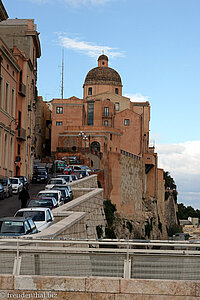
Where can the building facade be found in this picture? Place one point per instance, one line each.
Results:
(22, 38)
(9, 70)
(109, 132)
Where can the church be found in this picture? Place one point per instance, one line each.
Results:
(111, 134)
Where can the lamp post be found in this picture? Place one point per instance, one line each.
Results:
(85, 139)
(81, 135)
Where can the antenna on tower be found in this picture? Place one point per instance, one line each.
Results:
(62, 85)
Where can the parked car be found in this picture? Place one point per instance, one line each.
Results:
(1, 191)
(67, 171)
(17, 185)
(42, 216)
(66, 187)
(74, 177)
(65, 196)
(40, 176)
(68, 178)
(49, 202)
(6, 186)
(24, 181)
(51, 193)
(54, 181)
(17, 226)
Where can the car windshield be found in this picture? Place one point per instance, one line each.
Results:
(55, 195)
(66, 178)
(40, 203)
(14, 181)
(12, 227)
(3, 182)
(34, 215)
(41, 172)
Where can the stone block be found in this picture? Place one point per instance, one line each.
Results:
(103, 285)
(158, 287)
(48, 283)
(6, 282)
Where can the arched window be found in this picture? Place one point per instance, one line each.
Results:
(116, 91)
(89, 91)
(95, 147)
(5, 151)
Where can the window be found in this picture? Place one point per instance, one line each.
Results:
(1, 91)
(48, 216)
(116, 91)
(111, 136)
(89, 91)
(106, 123)
(59, 110)
(58, 123)
(11, 152)
(18, 149)
(116, 106)
(126, 122)
(106, 111)
(0, 144)
(13, 103)
(91, 113)
(5, 151)
(7, 97)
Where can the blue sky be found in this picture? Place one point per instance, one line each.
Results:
(155, 47)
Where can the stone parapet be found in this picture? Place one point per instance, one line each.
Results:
(90, 288)
(78, 218)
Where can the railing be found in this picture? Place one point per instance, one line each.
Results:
(22, 89)
(21, 133)
(108, 258)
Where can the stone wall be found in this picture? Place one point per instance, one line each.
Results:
(99, 288)
(78, 218)
(87, 182)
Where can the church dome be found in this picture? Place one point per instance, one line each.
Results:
(103, 75)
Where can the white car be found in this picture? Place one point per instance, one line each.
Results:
(52, 193)
(55, 181)
(17, 185)
(67, 178)
(42, 216)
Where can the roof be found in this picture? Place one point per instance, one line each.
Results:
(103, 75)
(14, 218)
(33, 209)
(103, 57)
(3, 13)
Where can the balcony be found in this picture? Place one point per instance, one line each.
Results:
(149, 160)
(21, 134)
(17, 158)
(22, 89)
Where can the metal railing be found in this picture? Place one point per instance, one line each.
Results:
(110, 258)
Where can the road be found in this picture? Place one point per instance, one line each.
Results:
(10, 205)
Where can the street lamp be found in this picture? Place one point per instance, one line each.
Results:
(85, 139)
(81, 135)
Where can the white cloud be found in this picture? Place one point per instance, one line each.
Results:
(75, 3)
(182, 160)
(86, 2)
(87, 48)
(137, 97)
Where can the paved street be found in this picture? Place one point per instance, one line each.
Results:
(10, 205)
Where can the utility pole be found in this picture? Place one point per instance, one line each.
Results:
(62, 85)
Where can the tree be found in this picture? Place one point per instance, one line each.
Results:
(169, 181)
(184, 212)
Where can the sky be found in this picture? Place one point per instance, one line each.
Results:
(153, 44)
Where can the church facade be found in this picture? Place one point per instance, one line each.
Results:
(111, 134)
